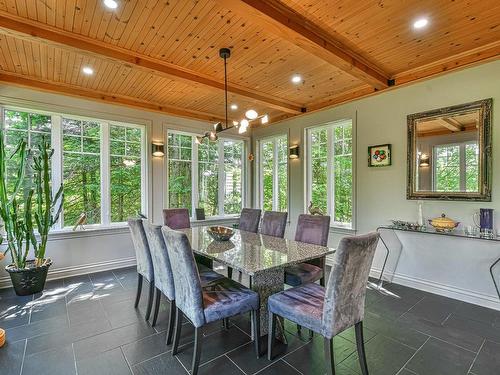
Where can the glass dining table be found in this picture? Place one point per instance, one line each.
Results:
(263, 258)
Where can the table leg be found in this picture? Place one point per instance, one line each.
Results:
(493, 266)
(267, 283)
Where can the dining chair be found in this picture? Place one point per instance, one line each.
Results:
(144, 263)
(331, 310)
(274, 223)
(202, 306)
(312, 229)
(164, 282)
(249, 220)
(176, 218)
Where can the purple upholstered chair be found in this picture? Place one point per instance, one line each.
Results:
(274, 223)
(144, 263)
(249, 220)
(331, 310)
(176, 218)
(313, 229)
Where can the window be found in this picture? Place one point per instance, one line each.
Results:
(207, 175)
(456, 167)
(330, 171)
(100, 163)
(273, 172)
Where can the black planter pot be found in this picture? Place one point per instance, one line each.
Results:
(29, 280)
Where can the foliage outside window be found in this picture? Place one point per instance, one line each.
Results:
(273, 170)
(207, 175)
(99, 163)
(330, 171)
(456, 167)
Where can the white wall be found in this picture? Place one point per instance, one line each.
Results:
(457, 268)
(90, 251)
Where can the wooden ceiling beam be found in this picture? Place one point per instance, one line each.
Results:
(17, 80)
(80, 42)
(292, 26)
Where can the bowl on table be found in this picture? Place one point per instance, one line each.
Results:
(220, 233)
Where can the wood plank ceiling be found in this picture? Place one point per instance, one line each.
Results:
(163, 55)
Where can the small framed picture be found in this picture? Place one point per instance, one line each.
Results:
(379, 156)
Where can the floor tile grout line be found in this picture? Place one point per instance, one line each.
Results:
(477, 355)
(234, 363)
(414, 354)
(292, 366)
(126, 359)
(182, 364)
(24, 357)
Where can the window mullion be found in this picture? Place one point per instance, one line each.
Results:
(57, 159)
(462, 175)
(105, 175)
(195, 196)
(330, 173)
(221, 177)
(275, 174)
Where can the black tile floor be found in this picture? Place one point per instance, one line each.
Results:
(87, 325)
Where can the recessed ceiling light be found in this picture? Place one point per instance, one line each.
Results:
(111, 4)
(88, 70)
(234, 107)
(251, 114)
(420, 23)
(296, 78)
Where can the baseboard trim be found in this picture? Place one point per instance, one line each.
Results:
(486, 300)
(59, 273)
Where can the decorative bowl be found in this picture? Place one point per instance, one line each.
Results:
(443, 224)
(220, 233)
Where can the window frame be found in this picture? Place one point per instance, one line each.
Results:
(260, 171)
(462, 164)
(195, 170)
(57, 165)
(351, 227)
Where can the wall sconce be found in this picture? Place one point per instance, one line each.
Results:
(424, 160)
(294, 152)
(158, 149)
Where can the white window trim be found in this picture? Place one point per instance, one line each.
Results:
(221, 174)
(337, 226)
(259, 188)
(57, 162)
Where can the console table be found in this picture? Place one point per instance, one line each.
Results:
(494, 268)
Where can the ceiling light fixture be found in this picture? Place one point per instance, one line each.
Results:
(234, 107)
(296, 78)
(251, 114)
(111, 4)
(420, 23)
(87, 70)
(264, 119)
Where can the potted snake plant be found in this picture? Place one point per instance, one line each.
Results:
(38, 208)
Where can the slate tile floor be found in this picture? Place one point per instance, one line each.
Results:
(87, 325)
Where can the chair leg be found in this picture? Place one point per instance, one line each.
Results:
(271, 335)
(299, 329)
(229, 273)
(361, 348)
(177, 331)
(322, 281)
(311, 335)
(329, 358)
(256, 331)
(157, 307)
(171, 322)
(225, 323)
(240, 276)
(150, 300)
(139, 290)
(197, 351)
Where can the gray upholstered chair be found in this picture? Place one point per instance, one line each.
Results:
(249, 220)
(176, 218)
(331, 310)
(313, 229)
(225, 299)
(164, 281)
(274, 223)
(144, 263)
